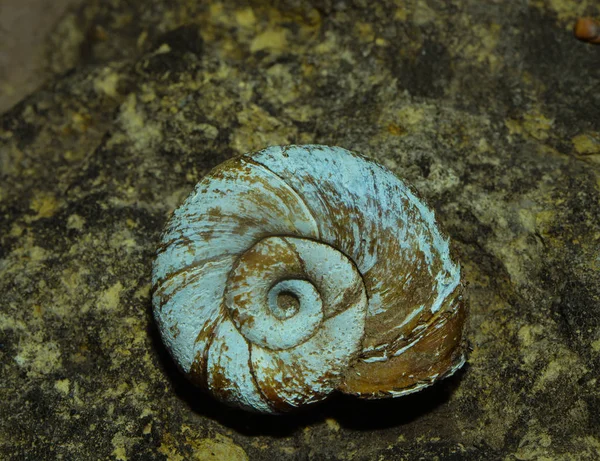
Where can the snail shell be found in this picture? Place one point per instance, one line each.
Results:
(296, 271)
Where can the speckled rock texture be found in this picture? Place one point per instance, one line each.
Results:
(490, 109)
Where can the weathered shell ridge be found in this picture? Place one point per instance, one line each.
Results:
(307, 210)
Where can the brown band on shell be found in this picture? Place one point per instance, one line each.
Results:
(438, 351)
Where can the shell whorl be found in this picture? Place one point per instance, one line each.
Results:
(298, 270)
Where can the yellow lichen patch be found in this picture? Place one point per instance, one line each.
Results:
(138, 131)
(565, 366)
(544, 220)
(218, 448)
(245, 17)
(75, 222)
(535, 445)
(533, 125)
(587, 143)
(282, 88)
(74, 156)
(596, 345)
(268, 21)
(401, 14)
(482, 48)
(423, 14)
(566, 11)
(443, 178)
(80, 122)
(123, 240)
(10, 161)
(518, 254)
(483, 147)
(119, 442)
(390, 163)
(328, 45)
(527, 219)
(216, 12)
(136, 332)
(45, 205)
(271, 39)
(73, 283)
(381, 41)
(36, 254)
(533, 344)
(147, 94)
(109, 300)
(365, 31)
(303, 113)
(107, 82)
(15, 230)
(514, 127)
(289, 450)
(62, 386)
(411, 116)
(528, 334)
(111, 393)
(537, 125)
(258, 129)
(332, 424)
(141, 40)
(38, 358)
(10, 323)
(167, 448)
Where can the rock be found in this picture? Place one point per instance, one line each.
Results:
(490, 112)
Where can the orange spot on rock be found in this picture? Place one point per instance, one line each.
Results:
(587, 30)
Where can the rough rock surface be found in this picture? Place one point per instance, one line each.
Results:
(24, 29)
(491, 109)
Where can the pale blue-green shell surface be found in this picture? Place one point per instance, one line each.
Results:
(296, 271)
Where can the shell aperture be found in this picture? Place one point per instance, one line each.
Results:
(296, 271)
